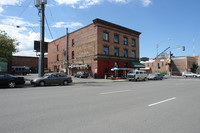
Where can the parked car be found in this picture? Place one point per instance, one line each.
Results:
(189, 74)
(137, 75)
(81, 74)
(10, 80)
(198, 75)
(51, 79)
(156, 76)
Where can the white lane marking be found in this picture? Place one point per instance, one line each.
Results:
(111, 92)
(162, 101)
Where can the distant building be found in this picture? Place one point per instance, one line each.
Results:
(95, 48)
(178, 64)
(23, 61)
(31, 62)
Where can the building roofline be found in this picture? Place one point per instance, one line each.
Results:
(100, 21)
(25, 56)
(71, 32)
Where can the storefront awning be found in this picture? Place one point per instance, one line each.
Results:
(137, 65)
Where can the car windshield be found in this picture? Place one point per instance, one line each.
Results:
(130, 72)
(9, 75)
(47, 75)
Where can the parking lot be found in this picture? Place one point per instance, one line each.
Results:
(96, 106)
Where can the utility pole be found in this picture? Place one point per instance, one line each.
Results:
(40, 4)
(170, 58)
(66, 53)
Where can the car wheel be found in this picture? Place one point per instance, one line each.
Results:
(65, 82)
(194, 76)
(42, 83)
(11, 84)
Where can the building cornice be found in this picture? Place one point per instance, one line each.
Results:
(100, 21)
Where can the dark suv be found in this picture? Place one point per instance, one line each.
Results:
(81, 74)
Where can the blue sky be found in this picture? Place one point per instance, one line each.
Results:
(162, 23)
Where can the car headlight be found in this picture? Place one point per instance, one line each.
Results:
(34, 80)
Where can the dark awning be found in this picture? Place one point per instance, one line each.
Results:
(137, 65)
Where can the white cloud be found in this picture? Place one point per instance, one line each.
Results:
(71, 25)
(9, 2)
(87, 3)
(24, 35)
(68, 2)
(146, 3)
(79, 3)
(1, 9)
(120, 1)
(25, 53)
(16, 21)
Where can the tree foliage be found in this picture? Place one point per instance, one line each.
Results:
(8, 46)
(194, 68)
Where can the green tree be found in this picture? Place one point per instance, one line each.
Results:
(194, 68)
(8, 46)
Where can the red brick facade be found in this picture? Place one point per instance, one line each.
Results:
(86, 49)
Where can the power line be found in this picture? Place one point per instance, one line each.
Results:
(49, 30)
(25, 8)
(48, 27)
(51, 15)
(18, 6)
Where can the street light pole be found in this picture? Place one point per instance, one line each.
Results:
(41, 63)
(157, 45)
(157, 55)
(40, 4)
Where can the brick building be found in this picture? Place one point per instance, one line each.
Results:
(179, 64)
(31, 62)
(95, 48)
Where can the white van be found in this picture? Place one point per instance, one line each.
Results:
(137, 75)
(24, 70)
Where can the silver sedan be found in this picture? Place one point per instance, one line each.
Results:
(52, 79)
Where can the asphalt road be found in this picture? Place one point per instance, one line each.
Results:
(168, 106)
